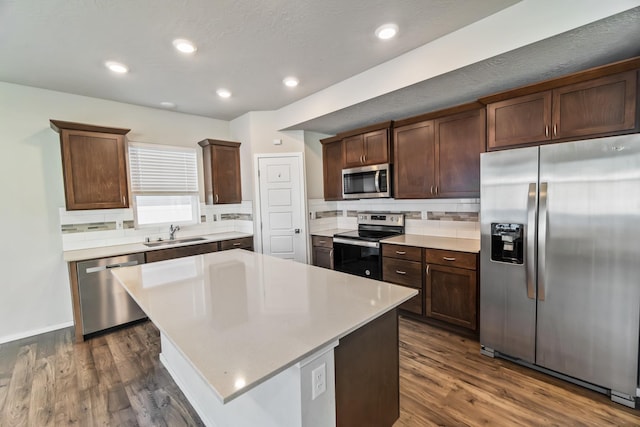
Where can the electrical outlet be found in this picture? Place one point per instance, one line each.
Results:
(318, 381)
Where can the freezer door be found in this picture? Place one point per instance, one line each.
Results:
(508, 195)
(589, 261)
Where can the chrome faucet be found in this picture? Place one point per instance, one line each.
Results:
(172, 231)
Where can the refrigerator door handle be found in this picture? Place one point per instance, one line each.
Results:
(531, 237)
(542, 239)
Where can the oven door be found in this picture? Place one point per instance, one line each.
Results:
(357, 257)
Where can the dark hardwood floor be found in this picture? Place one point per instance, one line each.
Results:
(117, 380)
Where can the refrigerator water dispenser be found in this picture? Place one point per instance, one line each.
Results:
(507, 243)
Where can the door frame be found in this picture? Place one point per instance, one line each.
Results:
(303, 198)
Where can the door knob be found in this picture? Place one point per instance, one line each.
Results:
(297, 231)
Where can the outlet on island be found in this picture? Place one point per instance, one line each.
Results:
(318, 381)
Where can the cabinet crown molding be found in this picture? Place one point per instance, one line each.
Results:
(209, 141)
(59, 126)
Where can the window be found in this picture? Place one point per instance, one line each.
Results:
(164, 184)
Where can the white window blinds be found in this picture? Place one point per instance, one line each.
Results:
(162, 169)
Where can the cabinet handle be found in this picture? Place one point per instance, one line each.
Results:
(546, 131)
(321, 241)
(123, 202)
(555, 129)
(427, 269)
(401, 252)
(431, 191)
(446, 258)
(237, 244)
(436, 189)
(364, 158)
(401, 272)
(216, 198)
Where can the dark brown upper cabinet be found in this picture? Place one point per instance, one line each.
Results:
(94, 165)
(221, 162)
(438, 154)
(588, 104)
(367, 146)
(332, 165)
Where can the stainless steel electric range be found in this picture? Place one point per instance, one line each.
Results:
(358, 252)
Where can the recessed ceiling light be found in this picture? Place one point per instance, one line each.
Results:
(168, 104)
(290, 81)
(116, 67)
(184, 46)
(223, 93)
(386, 31)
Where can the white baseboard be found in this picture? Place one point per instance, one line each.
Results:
(33, 332)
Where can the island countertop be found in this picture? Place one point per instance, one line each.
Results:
(241, 318)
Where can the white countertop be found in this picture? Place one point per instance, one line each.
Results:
(242, 317)
(434, 242)
(107, 251)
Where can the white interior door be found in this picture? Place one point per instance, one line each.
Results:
(282, 207)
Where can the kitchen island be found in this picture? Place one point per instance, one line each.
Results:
(256, 340)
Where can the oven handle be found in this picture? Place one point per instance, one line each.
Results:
(353, 242)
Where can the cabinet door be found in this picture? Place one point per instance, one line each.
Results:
(323, 257)
(459, 141)
(353, 148)
(95, 173)
(226, 174)
(376, 147)
(332, 165)
(598, 106)
(414, 156)
(519, 120)
(451, 295)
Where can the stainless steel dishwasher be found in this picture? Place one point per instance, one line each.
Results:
(103, 301)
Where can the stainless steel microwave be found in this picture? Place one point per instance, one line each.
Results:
(367, 182)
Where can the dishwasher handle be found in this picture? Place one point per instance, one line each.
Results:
(110, 266)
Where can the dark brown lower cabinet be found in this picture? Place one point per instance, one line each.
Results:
(367, 375)
(405, 273)
(322, 251)
(241, 243)
(451, 295)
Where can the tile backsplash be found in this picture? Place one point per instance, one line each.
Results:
(434, 217)
(106, 227)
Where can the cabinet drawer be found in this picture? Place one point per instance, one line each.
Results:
(242, 243)
(182, 251)
(402, 272)
(451, 258)
(322, 241)
(410, 253)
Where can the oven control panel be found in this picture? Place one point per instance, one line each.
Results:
(376, 218)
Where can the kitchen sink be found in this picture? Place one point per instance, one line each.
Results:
(174, 241)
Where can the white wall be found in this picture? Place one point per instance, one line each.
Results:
(313, 162)
(34, 295)
(257, 131)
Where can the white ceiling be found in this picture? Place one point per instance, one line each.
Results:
(249, 46)
(245, 46)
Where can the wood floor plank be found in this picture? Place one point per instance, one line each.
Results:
(16, 407)
(67, 407)
(42, 404)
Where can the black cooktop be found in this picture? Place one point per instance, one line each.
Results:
(367, 235)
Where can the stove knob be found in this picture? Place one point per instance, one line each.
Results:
(367, 273)
(393, 219)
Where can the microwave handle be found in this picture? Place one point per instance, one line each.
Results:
(377, 181)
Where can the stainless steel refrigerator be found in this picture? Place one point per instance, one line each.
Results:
(560, 260)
